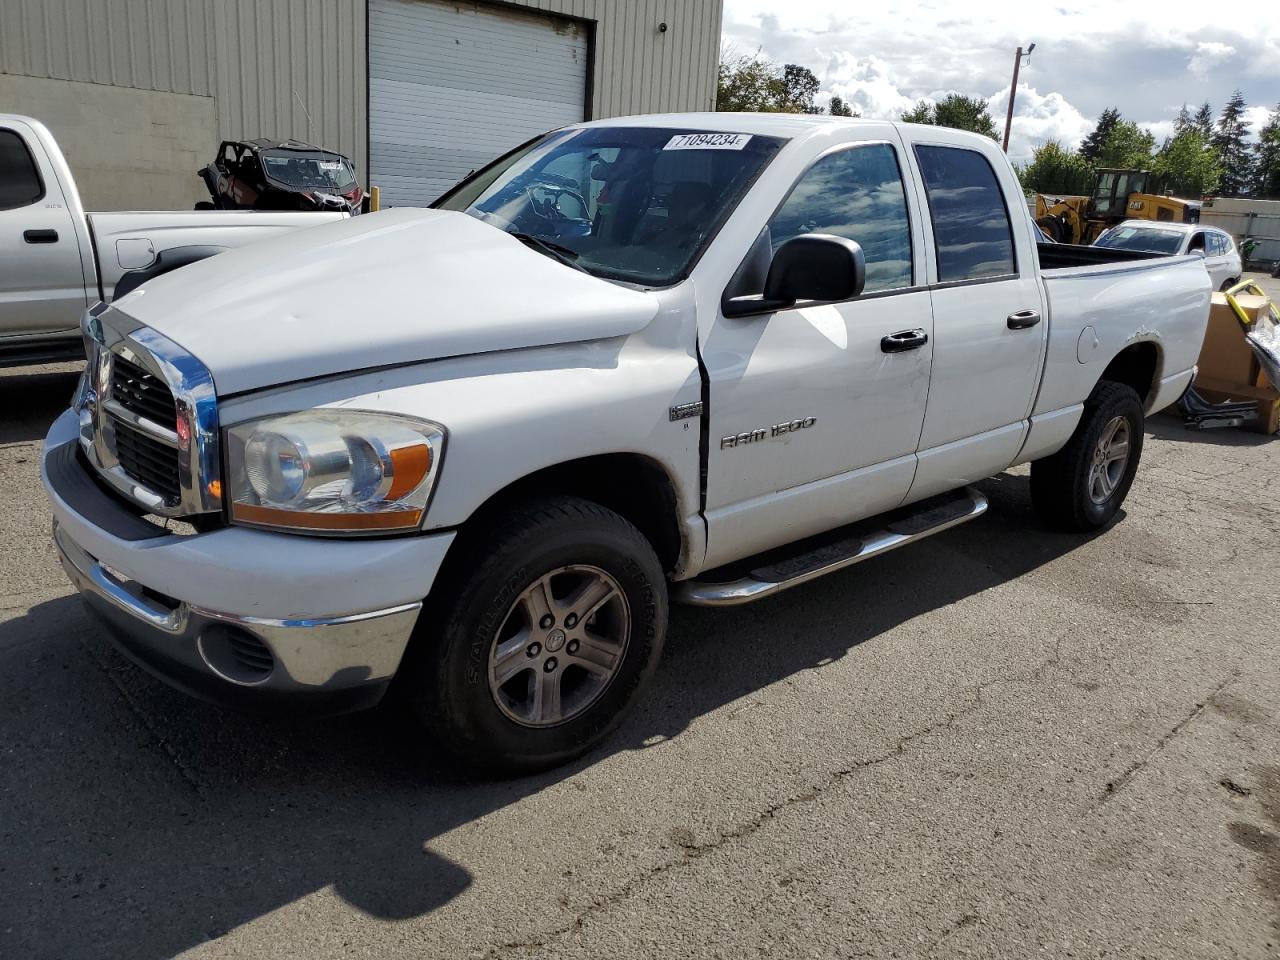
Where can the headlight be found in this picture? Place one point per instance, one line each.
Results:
(333, 471)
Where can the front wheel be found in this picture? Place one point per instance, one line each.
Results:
(1081, 487)
(539, 638)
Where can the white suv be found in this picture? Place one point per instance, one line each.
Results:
(1221, 258)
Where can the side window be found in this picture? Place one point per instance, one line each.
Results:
(971, 229)
(19, 180)
(1222, 244)
(857, 194)
(1197, 243)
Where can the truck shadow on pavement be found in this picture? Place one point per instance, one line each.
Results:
(138, 822)
(30, 401)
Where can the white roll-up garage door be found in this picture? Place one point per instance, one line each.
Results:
(454, 85)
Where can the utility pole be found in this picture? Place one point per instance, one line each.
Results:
(1013, 92)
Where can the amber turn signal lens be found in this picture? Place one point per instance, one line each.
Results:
(299, 519)
(410, 467)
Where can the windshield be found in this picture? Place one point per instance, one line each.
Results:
(627, 203)
(309, 171)
(1141, 238)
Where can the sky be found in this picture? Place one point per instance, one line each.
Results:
(1146, 57)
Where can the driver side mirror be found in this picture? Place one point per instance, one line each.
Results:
(816, 267)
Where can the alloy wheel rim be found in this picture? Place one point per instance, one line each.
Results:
(1110, 458)
(560, 645)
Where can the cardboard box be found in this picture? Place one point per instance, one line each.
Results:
(1266, 400)
(1226, 355)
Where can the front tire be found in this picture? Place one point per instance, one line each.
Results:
(1081, 487)
(538, 638)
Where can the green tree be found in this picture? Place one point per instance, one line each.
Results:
(746, 83)
(838, 108)
(1127, 146)
(1188, 165)
(1204, 120)
(1094, 142)
(956, 111)
(965, 113)
(755, 83)
(1184, 121)
(1055, 169)
(922, 112)
(1230, 139)
(1266, 157)
(800, 86)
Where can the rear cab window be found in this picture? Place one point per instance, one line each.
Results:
(20, 183)
(972, 231)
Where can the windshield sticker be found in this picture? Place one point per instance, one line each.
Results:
(708, 141)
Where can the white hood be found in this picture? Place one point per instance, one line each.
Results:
(385, 288)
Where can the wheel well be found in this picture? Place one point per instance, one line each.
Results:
(1135, 366)
(631, 485)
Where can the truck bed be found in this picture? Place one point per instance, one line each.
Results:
(1102, 300)
(1055, 256)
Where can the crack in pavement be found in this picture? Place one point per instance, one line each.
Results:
(165, 746)
(691, 850)
(1114, 787)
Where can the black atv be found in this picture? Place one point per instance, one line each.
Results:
(280, 175)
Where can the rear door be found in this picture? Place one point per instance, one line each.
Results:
(989, 328)
(42, 287)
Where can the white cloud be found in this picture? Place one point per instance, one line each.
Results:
(1090, 55)
(1255, 118)
(867, 83)
(1208, 55)
(1039, 117)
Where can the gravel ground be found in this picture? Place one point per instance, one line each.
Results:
(997, 743)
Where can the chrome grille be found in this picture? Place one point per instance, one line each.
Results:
(148, 417)
(149, 461)
(140, 391)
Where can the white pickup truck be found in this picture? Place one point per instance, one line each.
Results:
(55, 259)
(468, 454)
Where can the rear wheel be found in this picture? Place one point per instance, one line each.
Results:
(1081, 487)
(538, 639)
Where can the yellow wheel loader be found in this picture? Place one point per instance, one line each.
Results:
(1117, 195)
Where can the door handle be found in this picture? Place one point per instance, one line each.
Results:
(904, 340)
(1023, 319)
(40, 236)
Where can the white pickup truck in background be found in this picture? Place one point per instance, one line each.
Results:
(55, 259)
(704, 357)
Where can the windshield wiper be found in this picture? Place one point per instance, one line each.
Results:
(556, 251)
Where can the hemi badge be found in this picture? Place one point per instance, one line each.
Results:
(683, 411)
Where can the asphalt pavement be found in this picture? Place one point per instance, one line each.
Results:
(997, 743)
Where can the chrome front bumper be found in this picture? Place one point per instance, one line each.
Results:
(236, 615)
(336, 663)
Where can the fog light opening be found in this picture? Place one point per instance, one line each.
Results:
(235, 655)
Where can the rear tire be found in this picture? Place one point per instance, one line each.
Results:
(502, 637)
(1081, 487)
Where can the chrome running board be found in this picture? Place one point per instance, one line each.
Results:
(771, 578)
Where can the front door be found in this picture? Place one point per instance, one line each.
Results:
(813, 422)
(989, 329)
(41, 280)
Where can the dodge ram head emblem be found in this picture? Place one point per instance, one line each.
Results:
(766, 433)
